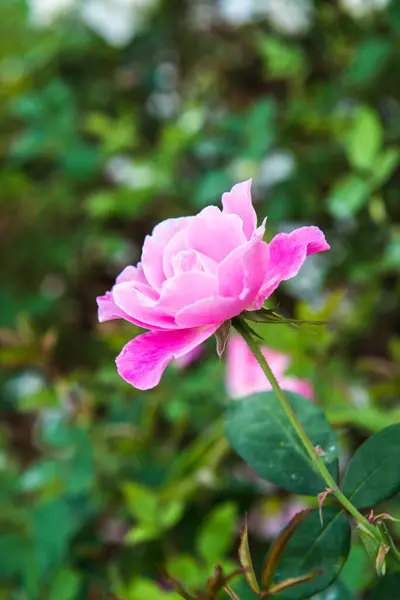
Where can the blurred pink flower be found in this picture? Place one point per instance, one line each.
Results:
(267, 519)
(244, 375)
(194, 274)
(186, 359)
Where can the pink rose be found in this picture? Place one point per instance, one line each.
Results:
(195, 273)
(244, 375)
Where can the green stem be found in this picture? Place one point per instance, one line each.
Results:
(318, 464)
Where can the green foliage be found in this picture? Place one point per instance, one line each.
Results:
(315, 548)
(259, 430)
(336, 592)
(385, 589)
(372, 476)
(215, 536)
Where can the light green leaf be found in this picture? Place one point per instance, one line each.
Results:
(142, 533)
(217, 533)
(142, 502)
(384, 166)
(187, 570)
(65, 586)
(283, 60)
(348, 196)
(364, 139)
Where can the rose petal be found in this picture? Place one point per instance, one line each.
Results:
(239, 276)
(131, 273)
(215, 234)
(154, 246)
(242, 273)
(238, 201)
(108, 310)
(311, 237)
(184, 289)
(176, 244)
(144, 359)
(287, 255)
(141, 307)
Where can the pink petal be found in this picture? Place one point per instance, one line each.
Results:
(299, 386)
(215, 234)
(177, 244)
(184, 289)
(242, 273)
(140, 307)
(240, 277)
(287, 255)
(311, 237)
(186, 359)
(131, 273)
(144, 359)
(238, 201)
(108, 311)
(210, 310)
(245, 377)
(154, 246)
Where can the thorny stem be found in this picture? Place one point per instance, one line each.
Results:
(318, 464)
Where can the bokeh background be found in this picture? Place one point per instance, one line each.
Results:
(114, 115)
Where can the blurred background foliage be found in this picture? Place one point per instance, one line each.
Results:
(116, 114)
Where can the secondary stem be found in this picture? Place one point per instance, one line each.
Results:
(316, 460)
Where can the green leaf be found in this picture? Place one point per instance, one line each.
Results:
(278, 548)
(283, 60)
(186, 569)
(384, 166)
(210, 187)
(170, 513)
(369, 60)
(373, 474)
(242, 590)
(65, 586)
(260, 432)
(364, 139)
(217, 532)
(142, 502)
(337, 591)
(357, 573)
(260, 128)
(348, 196)
(386, 589)
(142, 533)
(312, 548)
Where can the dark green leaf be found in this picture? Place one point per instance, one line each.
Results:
(278, 548)
(337, 591)
(312, 548)
(260, 432)
(370, 58)
(373, 474)
(387, 588)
